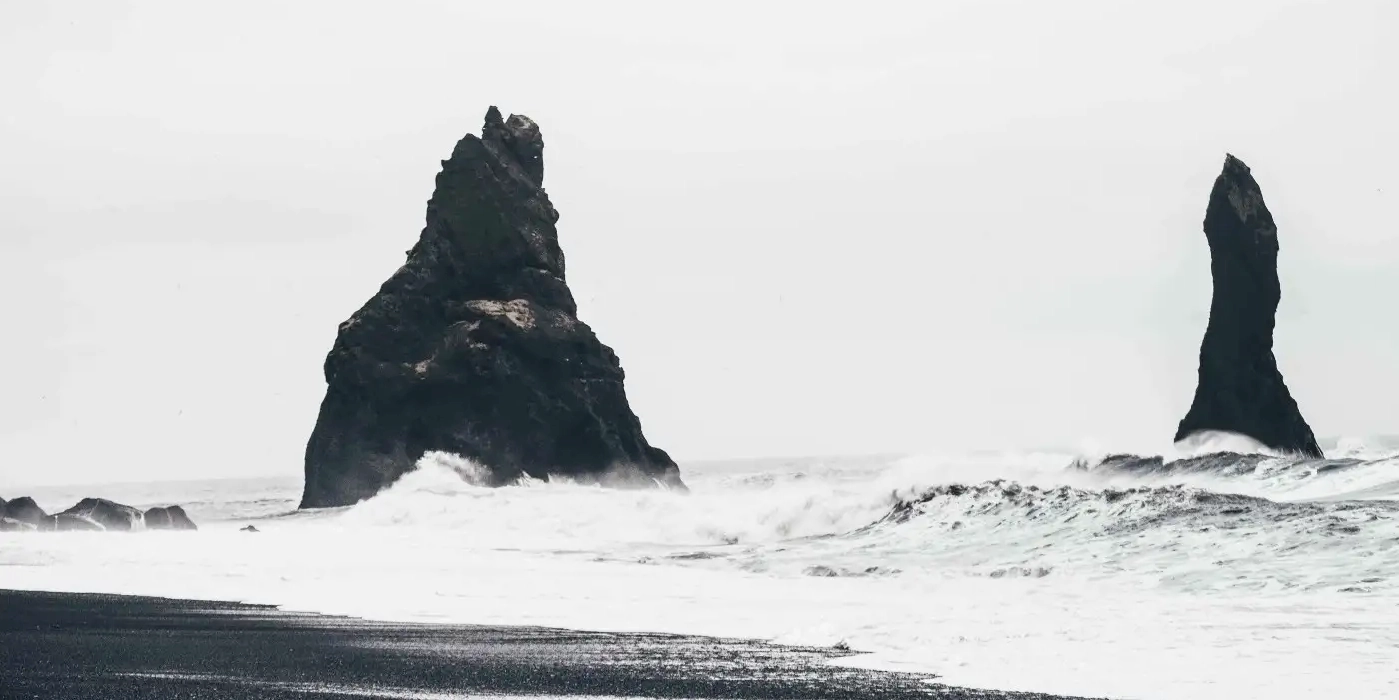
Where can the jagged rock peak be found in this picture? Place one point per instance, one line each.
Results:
(474, 346)
(520, 137)
(1245, 200)
(1240, 389)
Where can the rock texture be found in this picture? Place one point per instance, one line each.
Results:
(474, 346)
(67, 522)
(12, 525)
(168, 518)
(1240, 388)
(95, 514)
(25, 510)
(108, 515)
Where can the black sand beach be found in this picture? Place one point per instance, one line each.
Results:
(66, 645)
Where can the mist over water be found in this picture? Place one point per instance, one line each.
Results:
(1205, 574)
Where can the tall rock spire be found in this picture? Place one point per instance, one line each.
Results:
(1241, 389)
(474, 346)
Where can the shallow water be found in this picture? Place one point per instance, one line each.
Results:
(1221, 576)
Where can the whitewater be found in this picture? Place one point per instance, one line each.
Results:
(1206, 574)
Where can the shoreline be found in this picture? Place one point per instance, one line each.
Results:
(92, 645)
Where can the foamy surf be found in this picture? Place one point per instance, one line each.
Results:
(1223, 576)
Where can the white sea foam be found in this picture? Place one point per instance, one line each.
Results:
(1003, 570)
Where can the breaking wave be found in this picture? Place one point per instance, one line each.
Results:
(1266, 522)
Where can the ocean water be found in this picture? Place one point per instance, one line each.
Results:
(1206, 575)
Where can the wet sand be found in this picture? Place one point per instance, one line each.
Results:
(71, 645)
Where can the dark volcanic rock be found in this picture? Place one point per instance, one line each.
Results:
(1241, 389)
(68, 522)
(106, 514)
(24, 510)
(474, 346)
(169, 518)
(12, 525)
(89, 514)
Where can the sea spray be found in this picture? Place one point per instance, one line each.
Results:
(1218, 577)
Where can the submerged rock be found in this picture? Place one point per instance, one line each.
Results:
(474, 347)
(1240, 388)
(107, 514)
(24, 510)
(12, 525)
(168, 518)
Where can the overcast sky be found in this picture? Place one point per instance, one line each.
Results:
(806, 228)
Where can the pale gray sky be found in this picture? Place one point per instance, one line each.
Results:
(805, 227)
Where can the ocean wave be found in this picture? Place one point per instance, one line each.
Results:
(973, 566)
(450, 491)
(1112, 512)
(1272, 476)
(924, 516)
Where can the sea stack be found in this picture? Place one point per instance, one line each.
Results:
(1241, 390)
(474, 347)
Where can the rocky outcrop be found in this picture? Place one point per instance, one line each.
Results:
(25, 510)
(107, 515)
(1240, 388)
(168, 518)
(474, 347)
(89, 514)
